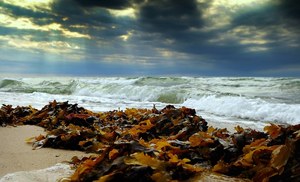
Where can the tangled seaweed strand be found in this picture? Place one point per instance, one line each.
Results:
(172, 144)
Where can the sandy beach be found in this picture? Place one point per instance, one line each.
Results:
(17, 155)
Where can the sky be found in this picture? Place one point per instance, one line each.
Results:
(150, 37)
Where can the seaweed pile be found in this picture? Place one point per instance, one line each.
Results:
(171, 144)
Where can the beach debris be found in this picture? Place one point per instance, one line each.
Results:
(12, 116)
(171, 144)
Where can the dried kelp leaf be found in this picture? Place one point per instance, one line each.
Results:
(174, 159)
(255, 144)
(161, 144)
(280, 157)
(144, 160)
(113, 154)
(273, 130)
(14, 116)
(220, 167)
(275, 166)
(193, 168)
(252, 158)
(40, 137)
(239, 129)
(201, 139)
(161, 176)
(142, 127)
(264, 174)
(86, 165)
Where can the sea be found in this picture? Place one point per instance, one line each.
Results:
(223, 101)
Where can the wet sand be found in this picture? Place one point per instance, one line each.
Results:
(17, 155)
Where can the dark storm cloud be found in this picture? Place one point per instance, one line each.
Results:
(88, 12)
(168, 24)
(66, 7)
(282, 12)
(280, 23)
(262, 16)
(277, 24)
(97, 21)
(169, 16)
(291, 8)
(68, 12)
(112, 4)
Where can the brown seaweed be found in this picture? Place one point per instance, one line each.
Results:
(171, 144)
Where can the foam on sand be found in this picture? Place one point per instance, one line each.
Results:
(54, 173)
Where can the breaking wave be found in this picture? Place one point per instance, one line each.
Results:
(48, 86)
(258, 99)
(249, 109)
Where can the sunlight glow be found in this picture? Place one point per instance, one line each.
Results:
(31, 4)
(239, 3)
(27, 24)
(166, 53)
(253, 39)
(220, 12)
(242, 2)
(257, 49)
(25, 42)
(126, 36)
(130, 12)
(69, 50)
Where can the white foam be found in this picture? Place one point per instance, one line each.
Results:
(245, 108)
(53, 173)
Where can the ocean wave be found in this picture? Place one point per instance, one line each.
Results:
(162, 89)
(265, 99)
(162, 81)
(31, 86)
(245, 108)
(6, 82)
